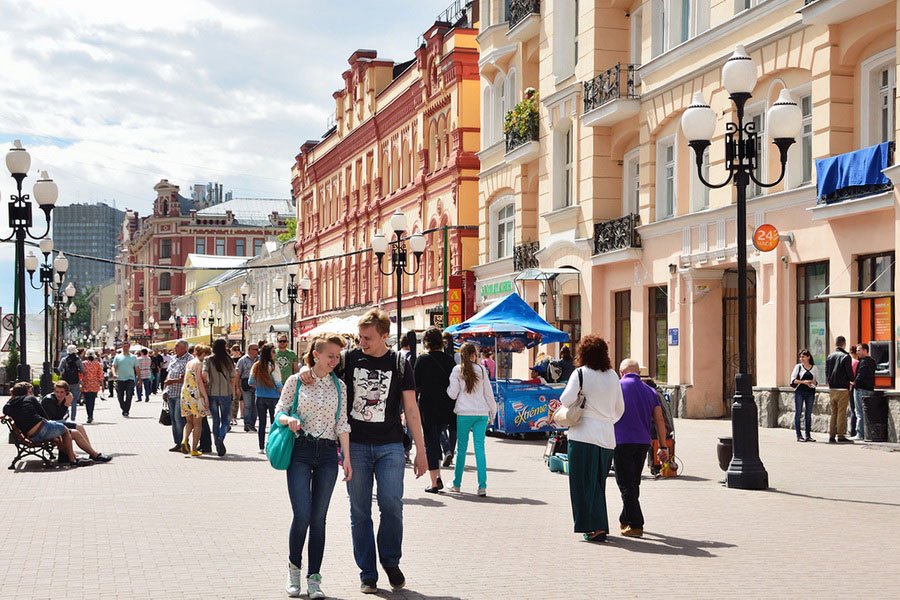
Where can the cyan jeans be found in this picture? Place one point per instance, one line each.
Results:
(220, 407)
(804, 400)
(177, 419)
(383, 464)
(478, 426)
(310, 479)
(858, 396)
(264, 405)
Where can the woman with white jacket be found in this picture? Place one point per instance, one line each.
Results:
(592, 441)
(470, 386)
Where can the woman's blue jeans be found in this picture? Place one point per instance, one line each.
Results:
(310, 478)
(804, 400)
(220, 407)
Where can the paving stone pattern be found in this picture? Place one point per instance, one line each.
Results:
(154, 524)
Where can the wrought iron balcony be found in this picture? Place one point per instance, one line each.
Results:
(520, 9)
(617, 234)
(525, 256)
(611, 85)
(531, 133)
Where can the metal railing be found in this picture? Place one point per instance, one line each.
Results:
(617, 234)
(455, 15)
(853, 192)
(525, 256)
(611, 85)
(520, 9)
(515, 138)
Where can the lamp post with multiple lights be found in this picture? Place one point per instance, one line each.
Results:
(51, 277)
(210, 317)
(399, 257)
(243, 306)
(292, 298)
(783, 122)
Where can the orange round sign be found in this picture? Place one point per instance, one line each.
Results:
(766, 238)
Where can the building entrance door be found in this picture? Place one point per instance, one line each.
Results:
(730, 332)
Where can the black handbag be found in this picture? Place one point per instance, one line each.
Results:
(164, 417)
(245, 384)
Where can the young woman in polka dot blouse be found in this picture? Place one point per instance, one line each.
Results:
(319, 424)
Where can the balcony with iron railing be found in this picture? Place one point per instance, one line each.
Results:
(525, 256)
(617, 234)
(522, 135)
(611, 96)
(832, 12)
(524, 17)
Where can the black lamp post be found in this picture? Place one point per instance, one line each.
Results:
(18, 161)
(292, 298)
(399, 257)
(51, 278)
(210, 317)
(61, 315)
(151, 326)
(746, 470)
(176, 321)
(243, 306)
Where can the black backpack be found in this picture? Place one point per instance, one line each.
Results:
(70, 370)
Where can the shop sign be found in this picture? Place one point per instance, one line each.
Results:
(766, 238)
(673, 336)
(437, 319)
(883, 313)
(496, 288)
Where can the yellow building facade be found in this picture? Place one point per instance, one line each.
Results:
(600, 208)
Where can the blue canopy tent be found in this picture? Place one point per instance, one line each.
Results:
(509, 318)
(510, 324)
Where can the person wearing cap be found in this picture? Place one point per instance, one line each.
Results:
(70, 369)
(92, 383)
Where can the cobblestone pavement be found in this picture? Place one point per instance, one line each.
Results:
(154, 524)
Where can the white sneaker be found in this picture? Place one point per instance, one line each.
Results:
(482, 492)
(454, 489)
(314, 582)
(295, 576)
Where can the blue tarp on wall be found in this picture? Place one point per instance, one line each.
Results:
(859, 168)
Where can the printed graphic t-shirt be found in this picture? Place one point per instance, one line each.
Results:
(285, 360)
(374, 397)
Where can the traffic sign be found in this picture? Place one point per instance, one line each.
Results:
(766, 238)
(8, 344)
(9, 322)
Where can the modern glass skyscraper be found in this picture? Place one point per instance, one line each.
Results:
(88, 230)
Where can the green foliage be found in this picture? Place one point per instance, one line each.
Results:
(291, 234)
(523, 119)
(81, 320)
(12, 364)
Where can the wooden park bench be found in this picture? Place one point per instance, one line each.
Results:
(25, 447)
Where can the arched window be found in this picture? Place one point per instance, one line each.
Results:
(503, 227)
(395, 168)
(501, 106)
(407, 164)
(487, 118)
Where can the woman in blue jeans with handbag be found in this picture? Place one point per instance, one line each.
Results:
(317, 415)
(804, 379)
(265, 377)
(220, 379)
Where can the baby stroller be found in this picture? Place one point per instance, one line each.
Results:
(670, 467)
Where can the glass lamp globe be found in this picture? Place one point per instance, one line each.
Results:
(698, 121)
(18, 161)
(739, 72)
(784, 118)
(46, 191)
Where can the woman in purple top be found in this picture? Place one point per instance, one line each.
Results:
(632, 443)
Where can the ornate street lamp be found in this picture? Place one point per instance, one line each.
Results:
(292, 297)
(176, 321)
(399, 257)
(60, 313)
(51, 278)
(698, 122)
(18, 161)
(243, 306)
(210, 317)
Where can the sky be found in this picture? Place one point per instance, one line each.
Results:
(110, 97)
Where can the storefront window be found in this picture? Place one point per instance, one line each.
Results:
(812, 314)
(659, 324)
(623, 326)
(572, 323)
(876, 313)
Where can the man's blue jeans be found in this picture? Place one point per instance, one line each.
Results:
(220, 407)
(310, 479)
(177, 419)
(75, 389)
(249, 407)
(385, 465)
(858, 396)
(148, 388)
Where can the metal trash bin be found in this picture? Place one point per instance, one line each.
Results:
(875, 411)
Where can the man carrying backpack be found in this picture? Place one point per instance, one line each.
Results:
(70, 370)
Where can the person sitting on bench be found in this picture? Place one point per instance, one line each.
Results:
(56, 406)
(27, 413)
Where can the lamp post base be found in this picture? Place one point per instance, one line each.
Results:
(24, 372)
(746, 471)
(46, 379)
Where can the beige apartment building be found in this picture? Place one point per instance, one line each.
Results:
(596, 214)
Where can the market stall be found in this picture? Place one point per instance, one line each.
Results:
(510, 325)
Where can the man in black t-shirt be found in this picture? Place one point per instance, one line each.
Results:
(380, 388)
(56, 405)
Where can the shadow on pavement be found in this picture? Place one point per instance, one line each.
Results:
(232, 458)
(655, 543)
(681, 477)
(494, 499)
(847, 500)
(472, 469)
(138, 418)
(427, 502)
(412, 595)
(98, 423)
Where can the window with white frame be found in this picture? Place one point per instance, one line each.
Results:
(631, 177)
(759, 125)
(565, 23)
(486, 13)
(200, 246)
(666, 180)
(699, 192)
(565, 166)
(879, 90)
(677, 21)
(806, 150)
(487, 125)
(742, 5)
(504, 227)
(501, 106)
(220, 246)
